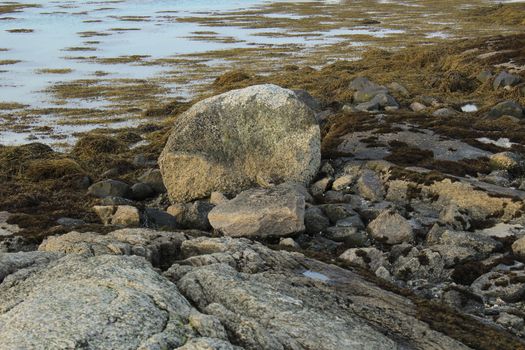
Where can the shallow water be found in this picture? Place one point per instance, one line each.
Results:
(76, 35)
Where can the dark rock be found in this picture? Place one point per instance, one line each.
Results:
(69, 222)
(153, 178)
(315, 221)
(308, 99)
(141, 191)
(192, 215)
(156, 218)
(510, 108)
(505, 79)
(108, 188)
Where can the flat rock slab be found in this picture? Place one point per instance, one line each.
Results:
(270, 299)
(277, 211)
(443, 149)
(228, 143)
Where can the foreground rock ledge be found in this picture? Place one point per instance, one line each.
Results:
(228, 143)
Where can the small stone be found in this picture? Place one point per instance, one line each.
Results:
(510, 108)
(391, 228)
(123, 215)
(343, 182)
(141, 191)
(217, 198)
(288, 242)
(193, 215)
(308, 99)
(69, 222)
(366, 95)
(369, 258)
(400, 89)
(484, 75)
(362, 83)
(518, 247)
(511, 321)
(336, 212)
(315, 221)
(444, 112)
(369, 186)
(505, 161)
(126, 215)
(319, 187)
(505, 79)
(351, 236)
(108, 188)
(454, 217)
(417, 107)
(156, 218)
(153, 178)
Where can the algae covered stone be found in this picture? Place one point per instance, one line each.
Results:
(228, 143)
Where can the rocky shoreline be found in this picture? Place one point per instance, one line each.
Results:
(356, 206)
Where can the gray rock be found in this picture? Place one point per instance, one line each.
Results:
(362, 83)
(120, 215)
(153, 178)
(511, 321)
(343, 182)
(158, 247)
(391, 228)
(259, 135)
(368, 94)
(141, 191)
(425, 264)
(444, 112)
(315, 221)
(511, 108)
(289, 302)
(351, 236)
(107, 188)
(319, 187)
(504, 79)
(398, 88)
(217, 198)
(276, 211)
(368, 258)
(70, 222)
(378, 102)
(461, 246)
(484, 75)
(193, 215)
(336, 212)
(506, 161)
(308, 100)
(455, 218)
(351, 221)
(507, 285)
(102, 302)
(141, 160)
(417, 106)
(518, 247)
(111, 200)
(13, 262)
(156, 218)
(370, 187)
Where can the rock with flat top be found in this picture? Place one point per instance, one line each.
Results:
(276, 211)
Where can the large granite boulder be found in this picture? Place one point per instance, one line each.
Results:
(228, 143)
